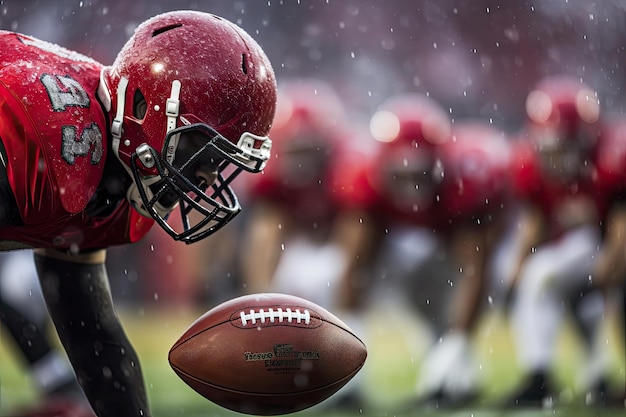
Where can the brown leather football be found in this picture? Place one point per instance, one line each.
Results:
(267, 354)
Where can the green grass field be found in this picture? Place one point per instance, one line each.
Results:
(388, 378)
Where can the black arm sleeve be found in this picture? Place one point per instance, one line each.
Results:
(79, 300)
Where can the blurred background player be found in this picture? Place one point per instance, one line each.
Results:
(434, 195)
(610, 270)
(298, 237)
(24, 315)
(571, 235)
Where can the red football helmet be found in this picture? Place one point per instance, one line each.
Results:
(562, 117)
(192, 97)
(409, 128)
(477, 164)
(307, 132)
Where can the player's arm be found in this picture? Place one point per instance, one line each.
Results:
(77, 293)
(470, 246)
(531, 225)
(610, 267)
(354, 234)
(261, 246)
(89, 258)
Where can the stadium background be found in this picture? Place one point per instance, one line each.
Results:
(477, 58)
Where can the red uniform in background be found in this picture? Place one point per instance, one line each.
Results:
(571, 236)
(310, 138)
(434, 196)
(298, 238)
(456, 176)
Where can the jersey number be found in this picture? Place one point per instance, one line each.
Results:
(64, 92)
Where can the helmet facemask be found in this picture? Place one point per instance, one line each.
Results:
(194, 177)
(410, 179)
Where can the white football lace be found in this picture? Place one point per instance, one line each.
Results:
(273, 315)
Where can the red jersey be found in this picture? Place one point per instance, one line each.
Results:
(469, 179)
(54, 131)
(559, 200)
(610, 158)
(305, 192)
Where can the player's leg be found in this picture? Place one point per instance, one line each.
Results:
(591, 310)
(547, 278)
(318, 267)
(80, 304)
(24, 315)
(421, 268)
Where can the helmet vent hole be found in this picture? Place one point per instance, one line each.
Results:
(165, 29)
(244, 64)
(140, 106)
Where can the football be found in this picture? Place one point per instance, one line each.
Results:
(267, 354)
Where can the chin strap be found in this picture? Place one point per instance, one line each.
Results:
(116, 125)
(172, 107)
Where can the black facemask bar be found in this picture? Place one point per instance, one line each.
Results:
(204, 209)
